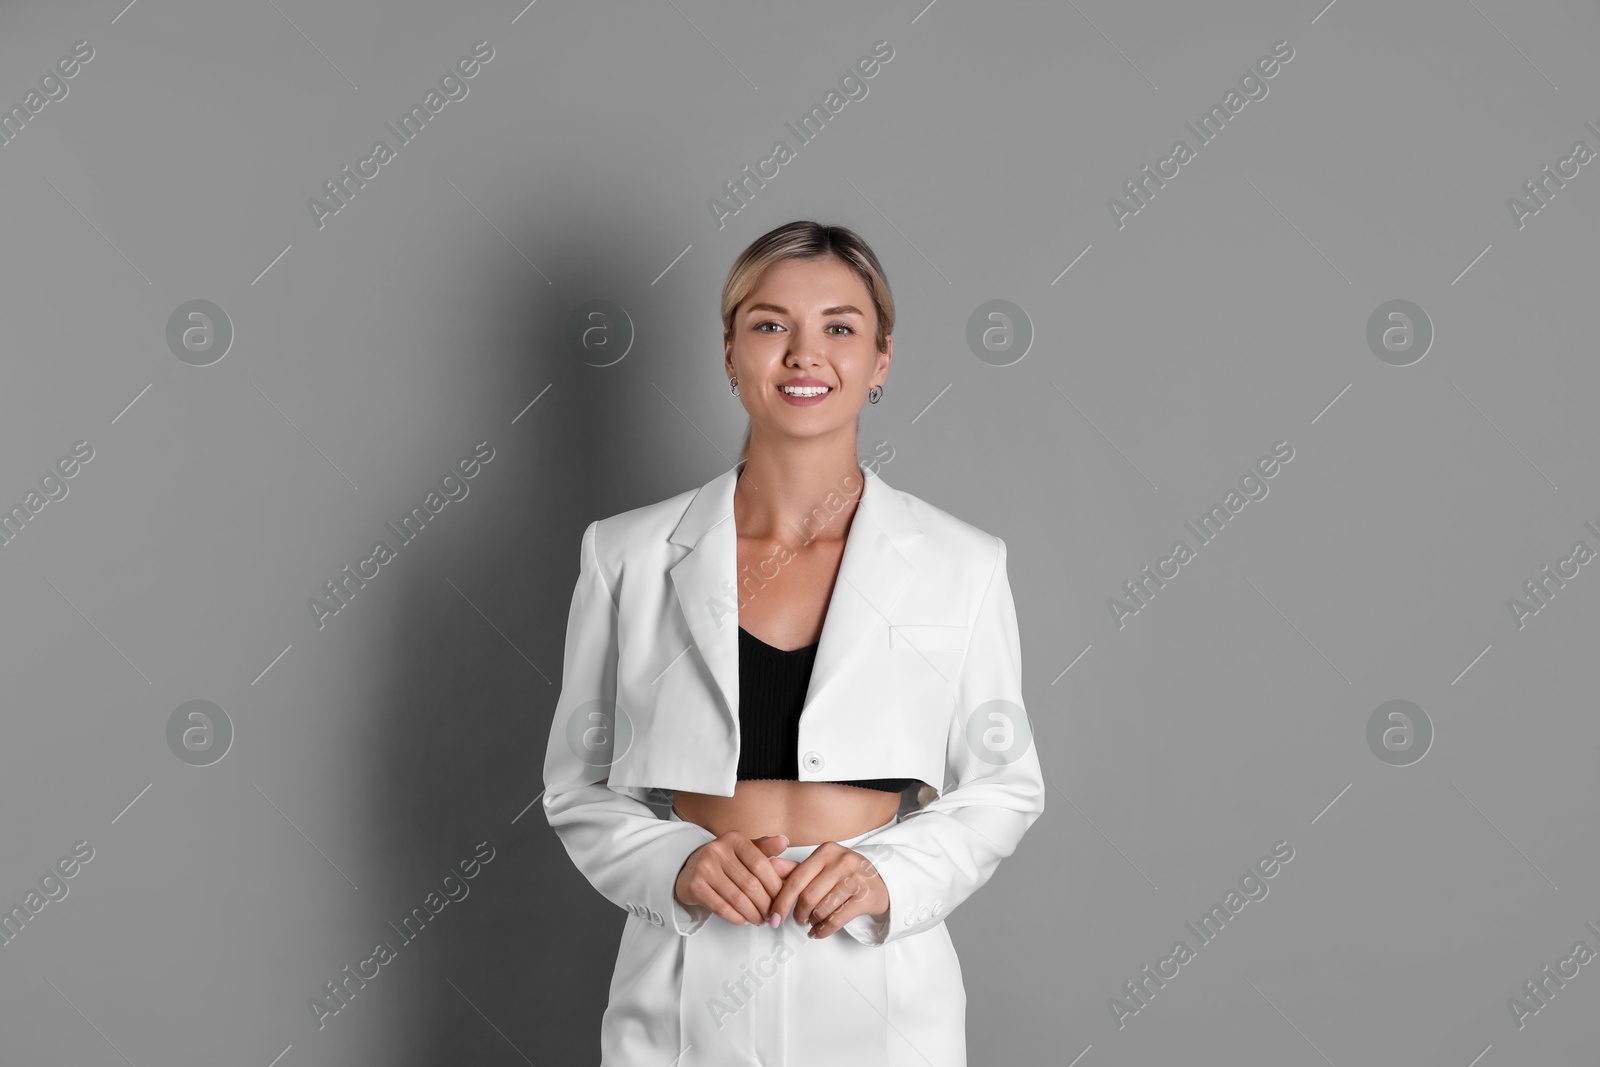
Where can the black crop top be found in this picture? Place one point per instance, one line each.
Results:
(772, 689)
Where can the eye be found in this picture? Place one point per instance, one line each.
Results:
(847, 328)
(769, 322)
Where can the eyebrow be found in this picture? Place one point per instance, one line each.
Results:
(838, 309)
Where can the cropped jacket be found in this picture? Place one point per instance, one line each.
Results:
(918, 674)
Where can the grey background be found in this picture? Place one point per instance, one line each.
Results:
(1227, 315)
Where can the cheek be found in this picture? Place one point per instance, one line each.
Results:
(753, 358)
(857, 364)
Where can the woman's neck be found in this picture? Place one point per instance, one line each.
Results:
(811, 488)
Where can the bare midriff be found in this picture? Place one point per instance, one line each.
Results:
(808, 813)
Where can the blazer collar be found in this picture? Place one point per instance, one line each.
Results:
(872, 574)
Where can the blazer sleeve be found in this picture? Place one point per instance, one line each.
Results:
(936, 857)
(627, 852)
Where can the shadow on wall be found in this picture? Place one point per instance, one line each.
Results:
(461, 752)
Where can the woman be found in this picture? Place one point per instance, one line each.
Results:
(784, 654)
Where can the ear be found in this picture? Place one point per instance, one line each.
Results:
(886, 356)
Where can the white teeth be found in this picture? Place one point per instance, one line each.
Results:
(804, 390)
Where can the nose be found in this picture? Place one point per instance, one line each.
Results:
(804, 353)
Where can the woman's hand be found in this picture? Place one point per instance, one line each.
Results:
(829, 888)
(733, 876)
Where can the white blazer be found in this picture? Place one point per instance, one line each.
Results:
(918, 675)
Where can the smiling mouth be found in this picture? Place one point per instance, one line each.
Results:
(805, 390)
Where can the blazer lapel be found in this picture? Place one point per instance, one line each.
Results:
(872, 574)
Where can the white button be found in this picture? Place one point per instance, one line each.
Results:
(922, 913)
(814, 761)
(938, 907)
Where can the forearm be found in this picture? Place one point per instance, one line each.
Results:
(627, 853)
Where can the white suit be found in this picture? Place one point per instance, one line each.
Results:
(918, 675)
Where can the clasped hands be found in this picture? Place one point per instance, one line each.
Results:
(743, 880)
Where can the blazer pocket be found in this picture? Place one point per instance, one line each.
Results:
(928, 637)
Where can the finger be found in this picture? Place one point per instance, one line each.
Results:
(803, 887)
(793, 881)
(759, 865)
(824, 901)
(728, 884)
(840, 906)
(704, 890)
(849, 890)
(772, 844)
(724, 911)
(744, 890)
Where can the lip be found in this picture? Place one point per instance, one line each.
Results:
(804, 401)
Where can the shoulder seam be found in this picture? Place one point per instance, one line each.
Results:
(994, 570)
(593, 537)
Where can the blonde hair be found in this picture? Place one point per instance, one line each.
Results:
(806, 240)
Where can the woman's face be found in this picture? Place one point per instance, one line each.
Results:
(808, 324)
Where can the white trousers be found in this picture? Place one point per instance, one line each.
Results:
(754, 996)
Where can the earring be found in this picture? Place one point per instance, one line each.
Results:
(874, 394)
(733, 385)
